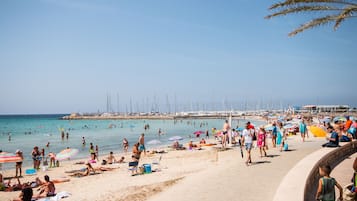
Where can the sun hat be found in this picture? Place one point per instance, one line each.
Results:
(18, 151)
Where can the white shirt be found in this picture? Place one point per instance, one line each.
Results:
(248, 136)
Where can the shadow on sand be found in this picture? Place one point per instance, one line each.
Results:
(259, 162)
(272, 155)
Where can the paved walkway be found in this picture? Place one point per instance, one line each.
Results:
(231, 179)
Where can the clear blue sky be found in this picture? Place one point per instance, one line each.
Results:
(60, 56)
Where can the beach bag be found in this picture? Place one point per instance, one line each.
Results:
(286, 146)
(348, 194)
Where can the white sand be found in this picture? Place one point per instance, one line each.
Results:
(185, 175)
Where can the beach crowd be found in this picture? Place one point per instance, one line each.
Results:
(273, 135)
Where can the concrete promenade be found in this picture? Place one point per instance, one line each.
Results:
(232, 180)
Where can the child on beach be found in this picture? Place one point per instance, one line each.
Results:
(326, 188)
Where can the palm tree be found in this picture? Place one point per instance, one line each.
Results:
(334, 11)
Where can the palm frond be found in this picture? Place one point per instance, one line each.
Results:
(314, 23)
(347, 12)
(299, 9)
(289, 3)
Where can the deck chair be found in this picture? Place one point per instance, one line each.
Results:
(133, 167)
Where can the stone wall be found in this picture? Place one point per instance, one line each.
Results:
(333, 158)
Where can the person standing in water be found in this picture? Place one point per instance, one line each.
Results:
(125, 145)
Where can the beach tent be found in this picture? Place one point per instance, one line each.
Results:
(317, 131)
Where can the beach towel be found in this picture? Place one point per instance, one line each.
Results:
(58, 196)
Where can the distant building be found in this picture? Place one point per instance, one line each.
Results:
(325, 108)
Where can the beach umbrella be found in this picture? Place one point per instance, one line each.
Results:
(6, 157)
(174, 138)
(66, 154)
(339, 119)
(153, 142)
(317, 131)
(198, 132)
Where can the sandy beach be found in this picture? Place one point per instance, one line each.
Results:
(207, 174)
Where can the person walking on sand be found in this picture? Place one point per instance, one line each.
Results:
(247, 141)
(303, 130)
(274, 134)
(326, 187)
(261, 142)
(226, 128)
(142, 143)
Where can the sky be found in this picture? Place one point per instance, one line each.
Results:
(63, 56)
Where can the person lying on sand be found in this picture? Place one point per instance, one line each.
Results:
(14, 187)
(111, 159)
(47, 189)
(176, 145)
(86, 172)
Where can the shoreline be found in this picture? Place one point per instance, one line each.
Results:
(160, 117)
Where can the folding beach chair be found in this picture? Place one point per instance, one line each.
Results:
(133, 166)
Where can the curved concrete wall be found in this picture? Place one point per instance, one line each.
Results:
(333, 158)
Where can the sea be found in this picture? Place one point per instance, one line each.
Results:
(26, 131)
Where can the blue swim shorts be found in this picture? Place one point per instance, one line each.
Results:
(248, 146)
(141, 147)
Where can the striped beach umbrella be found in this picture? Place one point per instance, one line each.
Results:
(6, 157)
(66, 154)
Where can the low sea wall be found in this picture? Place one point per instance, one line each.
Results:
(332, 158)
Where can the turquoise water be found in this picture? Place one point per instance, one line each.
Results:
(27, 131)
